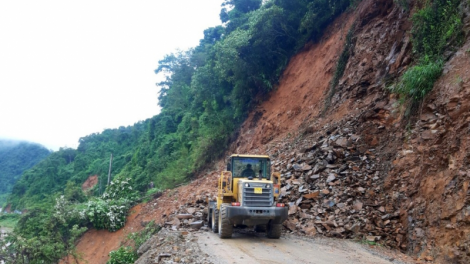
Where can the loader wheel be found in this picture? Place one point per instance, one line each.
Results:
(225, 228)
(273, 230)
(215, 220)
(260, 228)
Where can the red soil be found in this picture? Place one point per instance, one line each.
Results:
(90, 183)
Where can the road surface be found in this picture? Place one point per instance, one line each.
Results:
(249, 247)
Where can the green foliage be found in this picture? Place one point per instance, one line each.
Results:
(65, 170)
(319, 14)
(110, 211)
(44, 235)
(120, 188)
(8, 220)
(40, 248)
(152, 191)
(208, 91)
(437, 27)
(124, 255)
(107, 214)
(74, 193)
(128, 254)
(419, 80)
(140, 237)
(15, 158)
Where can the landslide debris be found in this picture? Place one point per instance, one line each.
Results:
(169, 246)
(333, 184)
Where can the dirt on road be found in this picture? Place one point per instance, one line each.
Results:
(205, 247)
(250, 247)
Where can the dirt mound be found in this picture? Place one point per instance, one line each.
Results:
(171, 247)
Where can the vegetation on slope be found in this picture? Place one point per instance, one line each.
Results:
(47, 234)
(208, 90)
(15, 158)
(39, 186)
(437, 29)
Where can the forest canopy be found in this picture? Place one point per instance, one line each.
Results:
(15, 158)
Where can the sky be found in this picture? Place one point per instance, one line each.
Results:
(72, 68)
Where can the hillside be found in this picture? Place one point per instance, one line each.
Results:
(15, 158)
(364, 167)
(354, 163)
(40, 185)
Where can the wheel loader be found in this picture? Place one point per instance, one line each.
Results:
(247, 197)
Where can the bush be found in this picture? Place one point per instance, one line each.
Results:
(120, 188)
(140, 237)
(437, 27)
(108, 214)
(44, 235)
(417, 81)
(124, 255)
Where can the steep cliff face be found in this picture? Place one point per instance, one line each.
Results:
(429, 182)
(356, 166)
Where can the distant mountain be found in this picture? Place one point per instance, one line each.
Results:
(15, 158)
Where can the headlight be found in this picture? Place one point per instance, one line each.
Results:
(267, 186)
(247, 185)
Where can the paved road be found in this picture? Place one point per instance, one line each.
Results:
(248, 247)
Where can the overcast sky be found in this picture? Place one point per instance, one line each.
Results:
(72, 68)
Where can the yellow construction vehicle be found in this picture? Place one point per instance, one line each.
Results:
(247, 197)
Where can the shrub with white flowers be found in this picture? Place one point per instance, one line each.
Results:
(110, 211)
(120, 187)
(66, 212)
(108, 214)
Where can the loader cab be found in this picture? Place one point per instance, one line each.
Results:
(250, 167)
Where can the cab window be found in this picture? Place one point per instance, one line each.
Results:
(251, 167)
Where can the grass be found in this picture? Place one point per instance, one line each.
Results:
(419, 80)
(437, 28)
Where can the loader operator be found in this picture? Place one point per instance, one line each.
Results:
(248, 172)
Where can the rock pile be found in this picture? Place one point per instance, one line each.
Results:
(334, 187)
(169, 246)
(190, 215)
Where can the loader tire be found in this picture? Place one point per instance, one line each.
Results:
(260, 228)
(215, 220)
(273, 230)
(225, 228)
